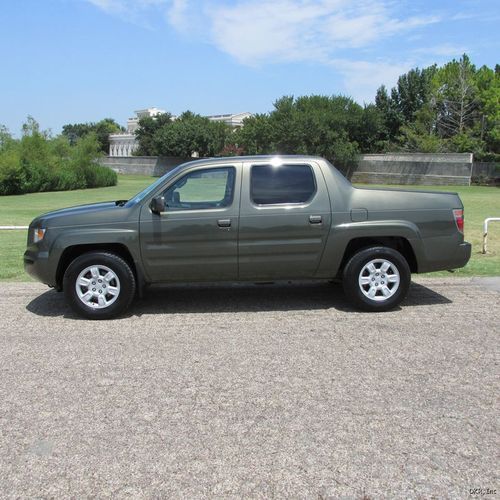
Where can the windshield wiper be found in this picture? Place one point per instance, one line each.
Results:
(120, 203)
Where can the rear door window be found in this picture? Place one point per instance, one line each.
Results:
(284, 184)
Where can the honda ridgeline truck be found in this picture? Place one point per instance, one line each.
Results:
(256, 218)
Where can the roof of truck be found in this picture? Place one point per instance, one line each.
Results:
(229, 159)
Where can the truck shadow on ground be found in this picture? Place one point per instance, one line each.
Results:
(207, 298)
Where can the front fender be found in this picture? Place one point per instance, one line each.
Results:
(94, 237)
(88, 236)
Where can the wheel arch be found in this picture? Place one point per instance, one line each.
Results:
(71, 252)
(398, 243)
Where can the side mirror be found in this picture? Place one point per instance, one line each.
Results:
(157, 205)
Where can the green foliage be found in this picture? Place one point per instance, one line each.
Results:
(5, 137)
(12, 175)
(406, 99)
(453, 108)
(101, 129)
(317, 125)
(455, 97)
(254, 138)
(187, 134)
(38, 163)
(371, 134)
(149, 126)
(419, 135)
(413, 91)
(488, 92)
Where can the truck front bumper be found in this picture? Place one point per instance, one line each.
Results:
(36, 264)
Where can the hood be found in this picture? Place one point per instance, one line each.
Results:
(94, 213)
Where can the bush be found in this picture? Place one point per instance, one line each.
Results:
(69, 179)
(99, 176)
(38, 163)
(12, 175)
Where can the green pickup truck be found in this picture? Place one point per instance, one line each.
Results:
(257, 218)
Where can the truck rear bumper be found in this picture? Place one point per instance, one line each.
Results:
(449, 261)
(462, 255)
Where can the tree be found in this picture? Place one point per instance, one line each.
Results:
(451, 108)
(145, 133)
(371, 134)
(413, 91)
(315, 125)
(189, 133)
(101, 129)
(407, 98)
(255, 137)
(420, 136)
(488, 94)
(456, 97)
(5, 137)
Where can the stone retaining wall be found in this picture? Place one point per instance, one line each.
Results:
(414, 168)
(142, 165)
(486, 171)
(390, 168)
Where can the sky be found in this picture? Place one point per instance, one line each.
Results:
(70, 61)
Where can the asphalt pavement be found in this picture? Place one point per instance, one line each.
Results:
(255, 391)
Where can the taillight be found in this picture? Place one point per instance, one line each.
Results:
(459, 219)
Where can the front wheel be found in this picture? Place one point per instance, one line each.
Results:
(99, 285)
(376, 279)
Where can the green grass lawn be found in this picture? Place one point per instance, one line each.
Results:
(480, 202)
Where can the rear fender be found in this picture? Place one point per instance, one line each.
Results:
(342, 234)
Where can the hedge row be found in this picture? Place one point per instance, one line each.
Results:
(20, 179)
(36, 163)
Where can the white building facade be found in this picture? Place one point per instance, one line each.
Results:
(125, 143)
(234, 121)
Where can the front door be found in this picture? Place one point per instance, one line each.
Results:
(285, 218)
(195, 238)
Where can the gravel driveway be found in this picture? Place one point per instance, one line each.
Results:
(255, 391)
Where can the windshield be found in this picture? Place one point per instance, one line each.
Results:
(140, 196)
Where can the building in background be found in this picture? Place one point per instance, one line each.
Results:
(234, 121)
(125, 143)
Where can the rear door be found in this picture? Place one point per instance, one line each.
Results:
(195, 239)
(285, 218)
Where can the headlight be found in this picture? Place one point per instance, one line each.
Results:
(38, 234)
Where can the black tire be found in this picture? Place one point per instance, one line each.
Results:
(124, 278)
(354, 290)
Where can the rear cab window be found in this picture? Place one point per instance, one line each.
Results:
(282, 185)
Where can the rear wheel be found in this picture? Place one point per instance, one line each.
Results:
(376, 279)
(99, 285)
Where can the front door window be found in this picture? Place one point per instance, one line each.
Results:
(201, 189)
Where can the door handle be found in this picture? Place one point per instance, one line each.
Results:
(315, 219)
(224, 222)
